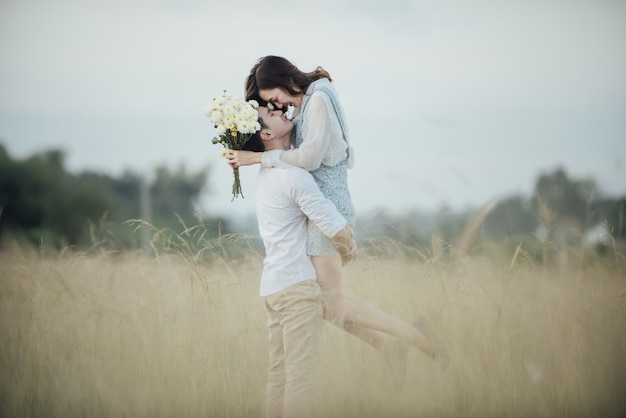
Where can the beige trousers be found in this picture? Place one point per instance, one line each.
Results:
(294, 320)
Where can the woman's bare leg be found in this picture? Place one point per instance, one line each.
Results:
(362, 318)
(394, 350)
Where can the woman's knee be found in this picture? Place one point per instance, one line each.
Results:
(334, 305)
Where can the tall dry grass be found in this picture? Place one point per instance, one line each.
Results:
(123, 335)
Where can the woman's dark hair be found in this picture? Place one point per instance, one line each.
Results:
(271, 71)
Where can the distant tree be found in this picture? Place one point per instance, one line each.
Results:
(450, 225)
(563, 205)
(40, 200)
(510, 216)
(613, 213)
(175, 194)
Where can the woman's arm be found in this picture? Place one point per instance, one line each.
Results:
(243, 158)
(266, 159)
(317, 128)
(319, 119)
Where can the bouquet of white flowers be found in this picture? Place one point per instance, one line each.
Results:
(235, 121)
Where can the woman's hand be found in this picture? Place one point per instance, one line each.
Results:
(242, 158)
(350, 255)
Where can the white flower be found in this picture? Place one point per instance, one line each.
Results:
(220, 100)
(244, 127)
(245, 112)
(208, 109)
(289, 113)
(234, 120)
(216, 117)
(229, 109)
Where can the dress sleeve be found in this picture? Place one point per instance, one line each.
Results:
(272, 159)
(316, 140)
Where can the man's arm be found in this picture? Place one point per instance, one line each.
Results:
(324, 214)
(346, 245)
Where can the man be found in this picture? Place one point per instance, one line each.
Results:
(286, 199)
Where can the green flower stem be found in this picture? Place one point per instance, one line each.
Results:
(236, 185)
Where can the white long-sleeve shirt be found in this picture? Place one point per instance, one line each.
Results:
(285, 199)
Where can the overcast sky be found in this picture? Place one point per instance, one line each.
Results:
(449, 102)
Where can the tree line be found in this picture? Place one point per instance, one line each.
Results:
(44, 204)
(562, 211)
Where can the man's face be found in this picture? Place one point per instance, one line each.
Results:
(275, 121)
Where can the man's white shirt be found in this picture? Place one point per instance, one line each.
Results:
(286, 199)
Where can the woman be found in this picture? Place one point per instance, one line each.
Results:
(322, 147)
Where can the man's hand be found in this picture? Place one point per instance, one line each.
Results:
(242, 158)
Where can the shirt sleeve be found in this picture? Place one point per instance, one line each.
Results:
(315, 206)
(272, 159)
(315, 144)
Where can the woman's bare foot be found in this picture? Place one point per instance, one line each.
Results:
(396, 353)
(441, 353)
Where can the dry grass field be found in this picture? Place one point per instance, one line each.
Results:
(123, 335)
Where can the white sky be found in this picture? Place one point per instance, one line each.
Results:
(449, 102)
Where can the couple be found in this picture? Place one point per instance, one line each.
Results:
(307, 237)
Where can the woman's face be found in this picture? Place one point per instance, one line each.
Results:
(280, 98)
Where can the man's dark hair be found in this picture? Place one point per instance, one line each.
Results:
(254, 143)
